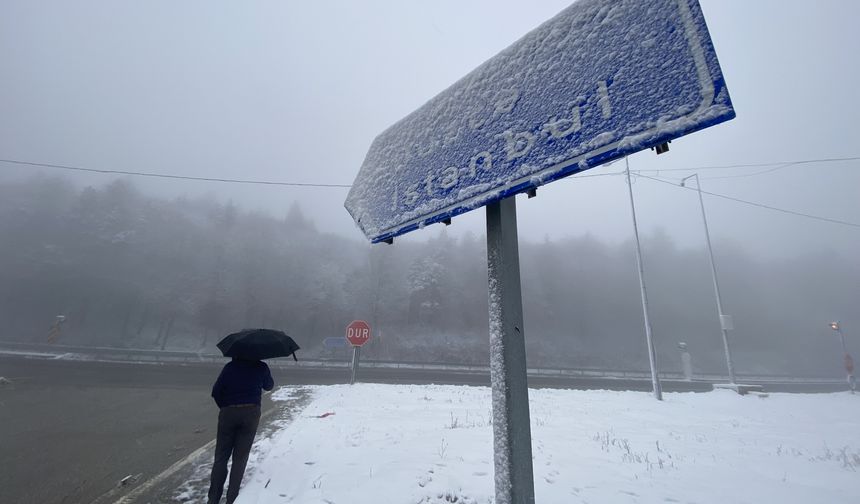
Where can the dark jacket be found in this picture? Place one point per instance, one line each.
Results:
(242, 382)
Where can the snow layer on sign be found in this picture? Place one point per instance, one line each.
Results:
(602, 79)
(369, 444)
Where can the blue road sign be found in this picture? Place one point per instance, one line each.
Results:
(601, 80)
(334, 342)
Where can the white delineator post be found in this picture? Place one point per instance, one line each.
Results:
(514, 477)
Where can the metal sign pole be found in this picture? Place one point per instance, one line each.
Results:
(356, 353)
(652, 356)
(512, 441)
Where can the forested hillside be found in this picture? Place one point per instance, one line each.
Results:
(129, 270)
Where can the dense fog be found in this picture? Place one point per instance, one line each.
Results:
(130, 270)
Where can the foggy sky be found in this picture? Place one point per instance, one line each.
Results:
(296, 91)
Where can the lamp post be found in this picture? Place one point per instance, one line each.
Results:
(836, 327)
(849, 362)
(725, 320)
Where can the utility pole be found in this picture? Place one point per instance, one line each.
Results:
(652, 356)
(725, 320)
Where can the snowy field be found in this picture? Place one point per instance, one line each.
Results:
(433, 444)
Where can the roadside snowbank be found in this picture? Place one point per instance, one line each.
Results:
(433, 444)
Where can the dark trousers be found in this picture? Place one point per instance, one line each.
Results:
(237, 426)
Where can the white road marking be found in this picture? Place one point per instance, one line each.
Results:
(170, 471)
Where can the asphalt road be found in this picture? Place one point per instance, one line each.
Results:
(71, 430)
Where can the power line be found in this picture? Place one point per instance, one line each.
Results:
(170, 176)
(781, 166)
(210, 179)
(760, 205)
(772, 166)
(777, 164)
(590, 175)
(743, 175)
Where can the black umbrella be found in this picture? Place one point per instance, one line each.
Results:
(258, 344)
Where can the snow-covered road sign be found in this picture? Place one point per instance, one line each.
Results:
(601, 80)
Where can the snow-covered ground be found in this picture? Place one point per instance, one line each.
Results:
(433, 444)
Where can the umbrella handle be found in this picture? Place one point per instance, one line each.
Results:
(294, 357)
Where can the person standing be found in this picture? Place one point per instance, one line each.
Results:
(237, 392)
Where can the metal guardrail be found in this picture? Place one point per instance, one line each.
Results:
(136, 355)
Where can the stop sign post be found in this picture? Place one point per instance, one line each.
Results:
(357, 334)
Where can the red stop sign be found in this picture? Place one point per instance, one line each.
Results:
(358, 332)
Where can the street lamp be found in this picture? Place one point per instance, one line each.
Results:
(725, 320)
(849, 362)
(835, 326)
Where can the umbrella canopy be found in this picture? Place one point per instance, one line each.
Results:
(258, 344)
